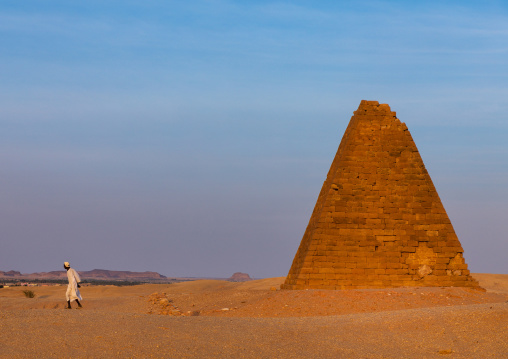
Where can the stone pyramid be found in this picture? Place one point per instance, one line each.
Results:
(378, 221)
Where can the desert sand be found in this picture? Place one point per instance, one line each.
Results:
(210, 319)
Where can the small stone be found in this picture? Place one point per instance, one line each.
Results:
(445, 351)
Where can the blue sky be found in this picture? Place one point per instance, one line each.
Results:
(192, 138)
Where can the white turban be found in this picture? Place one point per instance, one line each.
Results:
(66, 264)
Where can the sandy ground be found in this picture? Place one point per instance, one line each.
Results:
(210, 319)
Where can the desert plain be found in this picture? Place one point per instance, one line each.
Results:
(254, 319)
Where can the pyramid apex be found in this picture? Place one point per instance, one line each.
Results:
(382, 106)
(371, 103)
(374, 108)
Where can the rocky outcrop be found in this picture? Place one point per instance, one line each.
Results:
(97, 274)
(239, 277)
(11, 273)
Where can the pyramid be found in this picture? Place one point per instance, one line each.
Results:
(378, 221)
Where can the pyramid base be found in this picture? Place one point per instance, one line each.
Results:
(428, 281)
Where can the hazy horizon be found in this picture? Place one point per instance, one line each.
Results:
(192, 139)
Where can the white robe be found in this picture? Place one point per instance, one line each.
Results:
(72, 289)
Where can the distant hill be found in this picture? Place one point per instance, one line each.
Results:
(240, 277)
(96, 274)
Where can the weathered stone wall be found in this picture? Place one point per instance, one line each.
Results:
(378, 221)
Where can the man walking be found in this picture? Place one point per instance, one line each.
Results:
(72, 289)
